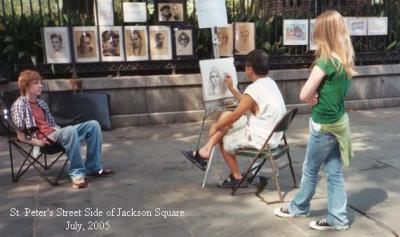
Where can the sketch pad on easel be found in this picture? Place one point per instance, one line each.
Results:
(215, 92)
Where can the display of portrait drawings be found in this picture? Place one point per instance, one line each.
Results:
(312, 45)
(225, 39)
(295, 32)
(111, 43)
(160, 42)
(56, 44)
(213, 78)
(136, 43)
(244, 37)
(105, 13)
(358, 26)
(85, 44)
(377, 25)
(170, 11)
(134, 11)
(183, 42)
(211, 13)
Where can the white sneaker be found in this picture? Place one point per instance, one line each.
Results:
(322, 224)
(284, 212)
(79, 182)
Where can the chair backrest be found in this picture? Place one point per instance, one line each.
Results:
(8, 126)
(6, 100)
(282, 125)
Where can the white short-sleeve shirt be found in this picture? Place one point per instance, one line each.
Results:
(271, 105)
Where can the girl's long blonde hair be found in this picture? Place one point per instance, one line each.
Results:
(332, 37)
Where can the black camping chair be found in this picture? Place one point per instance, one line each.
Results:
(265, 153)
(41, 161)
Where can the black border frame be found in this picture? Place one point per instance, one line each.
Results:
(171, 23)
(184, 57)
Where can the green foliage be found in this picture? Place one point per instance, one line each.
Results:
(20, 39)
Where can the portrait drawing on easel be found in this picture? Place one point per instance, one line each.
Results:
(213, 73)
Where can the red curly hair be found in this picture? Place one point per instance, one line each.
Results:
(25, 78)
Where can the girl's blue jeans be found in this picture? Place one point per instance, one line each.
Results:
(322, 148)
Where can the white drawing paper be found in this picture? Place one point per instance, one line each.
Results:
(213, 73)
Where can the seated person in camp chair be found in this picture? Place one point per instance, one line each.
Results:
(28, 111)
(260, 108)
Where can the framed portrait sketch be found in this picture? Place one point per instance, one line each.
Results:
(170, 12)
(85, 44)
(295, 32)
(312, 45)
(136, 43)
(244, 37)
(160, 42)
(358, 26)
(57, 45)
(184, 42)
(111, 43)
(212, 73)
(225, 38)
(134, 11)
(377, 25)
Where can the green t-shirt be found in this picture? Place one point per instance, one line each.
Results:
(331, 92)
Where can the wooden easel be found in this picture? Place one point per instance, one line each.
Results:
(213, 106)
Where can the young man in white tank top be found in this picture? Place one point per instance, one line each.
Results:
(260, 108)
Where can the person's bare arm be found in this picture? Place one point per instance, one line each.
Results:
(33, 141)
(308, 93)
(231, 88)
(246, 103)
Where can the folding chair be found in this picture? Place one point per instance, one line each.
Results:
(266, 153)
(39, 160)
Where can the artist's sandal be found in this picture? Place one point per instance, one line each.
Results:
(231, 182)
(195, 159)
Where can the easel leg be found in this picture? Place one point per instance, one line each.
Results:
(208, 167)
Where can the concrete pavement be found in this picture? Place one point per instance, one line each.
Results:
(157, 192)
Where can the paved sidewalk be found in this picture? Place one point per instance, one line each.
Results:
(153, 178)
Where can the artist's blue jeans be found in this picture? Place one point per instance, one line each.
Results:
(322, 148)
(69, 137)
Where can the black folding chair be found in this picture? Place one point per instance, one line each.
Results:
(266, 153)
(41, 161)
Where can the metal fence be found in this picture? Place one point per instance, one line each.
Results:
(21, 43)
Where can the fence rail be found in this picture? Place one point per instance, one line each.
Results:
(21, 45)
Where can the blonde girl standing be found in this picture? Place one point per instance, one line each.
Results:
(329, 143)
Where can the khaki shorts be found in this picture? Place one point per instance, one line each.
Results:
(237, 136)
